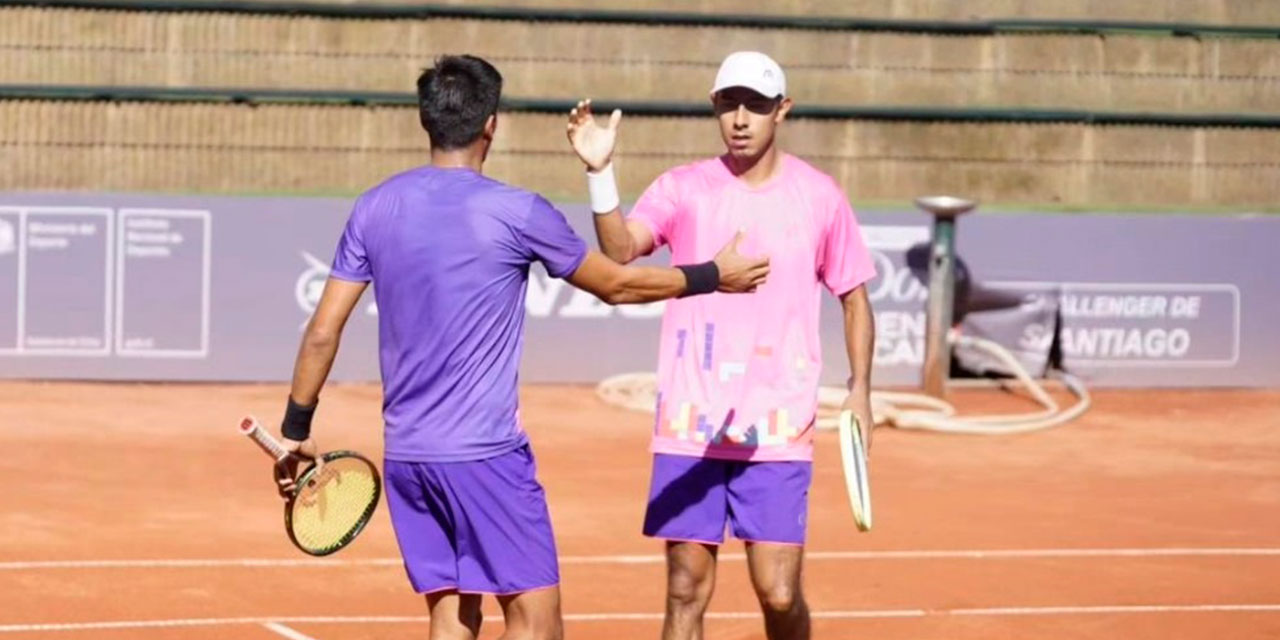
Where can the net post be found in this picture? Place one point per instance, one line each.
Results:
(942, 283)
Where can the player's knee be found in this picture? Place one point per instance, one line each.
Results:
(780, 599)
(686, 589)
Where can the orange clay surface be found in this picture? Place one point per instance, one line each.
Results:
(138, 511)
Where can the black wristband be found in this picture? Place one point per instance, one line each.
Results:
(700, 278)
(297, 421)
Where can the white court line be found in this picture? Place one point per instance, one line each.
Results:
(194, 564)
(286, 631)
(943, 554)
(606, 617)
(1150, 608)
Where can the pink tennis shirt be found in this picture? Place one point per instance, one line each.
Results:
(738, 373)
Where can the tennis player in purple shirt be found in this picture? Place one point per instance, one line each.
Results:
(449, 251)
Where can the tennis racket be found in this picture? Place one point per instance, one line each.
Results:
(333, 501)
(854, 454)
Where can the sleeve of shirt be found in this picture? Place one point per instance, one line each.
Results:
(551, 241)
(845, 261)
(657, 207)
(351, 260)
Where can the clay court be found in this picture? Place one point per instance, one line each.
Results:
(137, 511)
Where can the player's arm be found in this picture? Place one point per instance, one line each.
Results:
(320, 340)
(859, 340)
(846, 267)
(614, 283)
(621, 240)
(316, 354)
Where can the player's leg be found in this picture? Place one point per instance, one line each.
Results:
(454, 616)
(776, 577)
(532, 615)
(687, 508)
(425, 527)
(506, 546)
(768, 508)
(691, 580)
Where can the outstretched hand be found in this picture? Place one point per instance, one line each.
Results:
(593, 143)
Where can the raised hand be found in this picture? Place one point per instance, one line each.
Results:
(592, 142)
(738, 273)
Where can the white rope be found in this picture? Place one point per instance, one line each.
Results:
(638, 392)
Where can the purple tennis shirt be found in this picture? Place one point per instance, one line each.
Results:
(448, 253)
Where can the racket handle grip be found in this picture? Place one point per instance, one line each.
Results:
(249, 426)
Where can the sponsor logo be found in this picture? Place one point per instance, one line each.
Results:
(310, 284)
(1133, 324)
(896, 294)
(894, 282)
(546, 296)
(550, 297)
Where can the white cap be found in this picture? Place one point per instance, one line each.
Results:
(753, 70)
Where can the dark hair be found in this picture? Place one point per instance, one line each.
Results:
(455, 98)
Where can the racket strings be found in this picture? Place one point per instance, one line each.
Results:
(334, 504)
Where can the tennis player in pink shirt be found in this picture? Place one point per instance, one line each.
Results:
(738, 375)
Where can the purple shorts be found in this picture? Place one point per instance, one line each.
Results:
(691, 499)
(478, 527)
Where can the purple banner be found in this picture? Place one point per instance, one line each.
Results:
(155, 287)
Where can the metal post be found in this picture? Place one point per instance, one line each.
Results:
(942, 283)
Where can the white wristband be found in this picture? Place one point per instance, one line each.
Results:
(603, 187)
